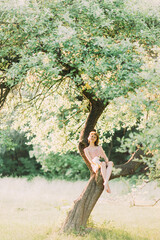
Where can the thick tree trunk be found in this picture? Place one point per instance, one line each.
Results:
(96, 109)
(83, 206)
(79, 214)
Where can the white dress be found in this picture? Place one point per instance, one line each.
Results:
(94, 155)
(96, 164)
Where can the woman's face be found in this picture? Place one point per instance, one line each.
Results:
(92, 138)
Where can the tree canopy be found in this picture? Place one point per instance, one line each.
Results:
(58, 57)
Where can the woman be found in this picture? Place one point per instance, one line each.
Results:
(93, 153)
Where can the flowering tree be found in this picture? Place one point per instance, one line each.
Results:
(90, 54)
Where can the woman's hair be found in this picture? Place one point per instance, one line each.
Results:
(97, 140)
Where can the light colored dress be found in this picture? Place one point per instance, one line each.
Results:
(94, 154)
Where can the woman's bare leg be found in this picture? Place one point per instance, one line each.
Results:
(103, 170)
(106, 173)
(109, 170)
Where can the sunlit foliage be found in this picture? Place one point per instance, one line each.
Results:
(54, 51)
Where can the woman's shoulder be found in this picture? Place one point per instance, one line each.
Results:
(90, 148)
(99, 146)
(86, 149)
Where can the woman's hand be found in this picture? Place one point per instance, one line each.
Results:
(95, 167)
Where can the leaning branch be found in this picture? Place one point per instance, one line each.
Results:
(146, 205)
(96, 109)
(129, 167)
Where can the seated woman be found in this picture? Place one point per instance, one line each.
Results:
(93, 153)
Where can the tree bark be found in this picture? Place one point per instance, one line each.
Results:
(96, 109)
(129, 167)
(4, 91)
(83, 206)
(78, 216)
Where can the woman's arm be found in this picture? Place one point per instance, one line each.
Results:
(103, 155)
(95, 166)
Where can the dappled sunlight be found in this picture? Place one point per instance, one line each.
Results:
(68, 68)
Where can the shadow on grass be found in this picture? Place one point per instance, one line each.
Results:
(112, 234)
(104, 233)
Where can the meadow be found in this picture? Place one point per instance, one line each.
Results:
(35, 210)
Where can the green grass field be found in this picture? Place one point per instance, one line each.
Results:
(35, 210)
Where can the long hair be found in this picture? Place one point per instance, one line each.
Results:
(97, 140)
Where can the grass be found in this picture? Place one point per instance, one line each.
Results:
(35, 210)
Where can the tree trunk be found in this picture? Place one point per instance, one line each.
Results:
(96, 109)
(79, 214)
(83, 206)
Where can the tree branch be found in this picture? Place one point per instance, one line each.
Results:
(4, 91)
(129, 167)
(96, 109)
(147, 205)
